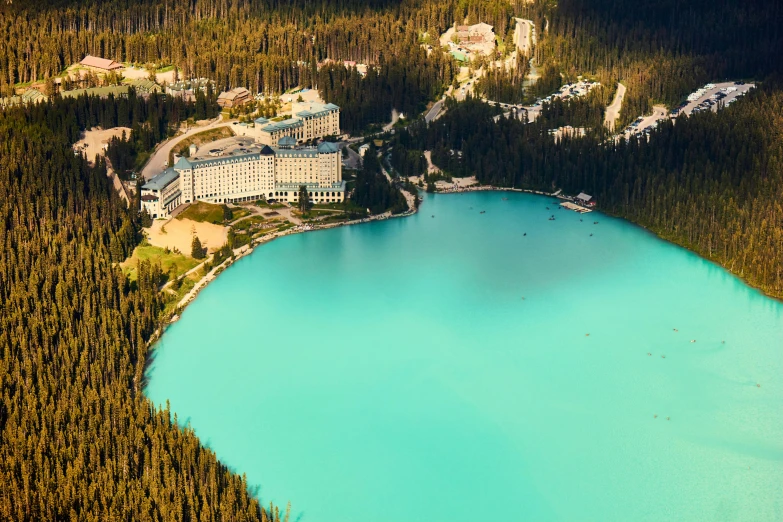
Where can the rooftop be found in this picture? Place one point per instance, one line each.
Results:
(290, 123)
(327, 147)
(287, 141)
(316, 109)
(234, 93)
(100, 63)
(144, 85)
(162, 180)
(116, 90)
(189, 85)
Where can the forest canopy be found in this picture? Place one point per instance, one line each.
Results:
(78, 439)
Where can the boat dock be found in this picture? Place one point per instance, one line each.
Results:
(575, 207)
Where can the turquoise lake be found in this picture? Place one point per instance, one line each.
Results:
(440, 369)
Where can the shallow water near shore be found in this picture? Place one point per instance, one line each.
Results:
(496, 366)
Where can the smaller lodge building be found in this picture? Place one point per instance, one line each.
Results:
(585, 199)
(234, 98)
(100, 64)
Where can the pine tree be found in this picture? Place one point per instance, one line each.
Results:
(196, 250)
(304, 200)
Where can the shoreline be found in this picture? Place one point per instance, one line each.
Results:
(248, 249)
(557, 194)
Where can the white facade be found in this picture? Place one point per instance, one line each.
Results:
(267, 174)
(162, 194)
(311, 121)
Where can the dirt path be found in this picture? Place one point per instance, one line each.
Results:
(613, 111)
(92, 141)
(395, 116)
(135, 73)
(431, 167)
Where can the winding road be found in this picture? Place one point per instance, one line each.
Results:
(160, 156)
(613, 111)
(434, 111)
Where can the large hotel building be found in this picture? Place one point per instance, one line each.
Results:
(271, 171)
(310, 121)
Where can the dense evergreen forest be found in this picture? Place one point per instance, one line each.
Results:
(711, 182)
(151, 121)
(78, 440)
(373, 191)
(660, 49)
(265, 46)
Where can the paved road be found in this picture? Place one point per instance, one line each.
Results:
(157, 162)
(523, 35)
(434, 112)
(353, 161)
(613, 111)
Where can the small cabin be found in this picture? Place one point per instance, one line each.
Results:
(585, 199)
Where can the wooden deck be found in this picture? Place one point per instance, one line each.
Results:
(575, 207)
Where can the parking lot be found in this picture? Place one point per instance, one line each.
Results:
(234, 145)
(708, 98)
(566, 92)
(646, 124)
(711, 96)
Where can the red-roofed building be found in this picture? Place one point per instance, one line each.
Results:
(100, 63)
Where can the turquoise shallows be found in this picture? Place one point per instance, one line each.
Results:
(393, 371)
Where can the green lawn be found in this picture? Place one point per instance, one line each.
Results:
(203, 212)
(247, 224)
(238, 213)
(332, 206)
(172, 297)
(316, 212)
(156, 255)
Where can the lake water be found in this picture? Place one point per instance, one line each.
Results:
(440, 368)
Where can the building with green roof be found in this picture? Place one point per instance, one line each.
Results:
(118, 91)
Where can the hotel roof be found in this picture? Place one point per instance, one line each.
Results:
(287, 141)
(327, 147)
(162, 180)
(290, 123)
(317, 110)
